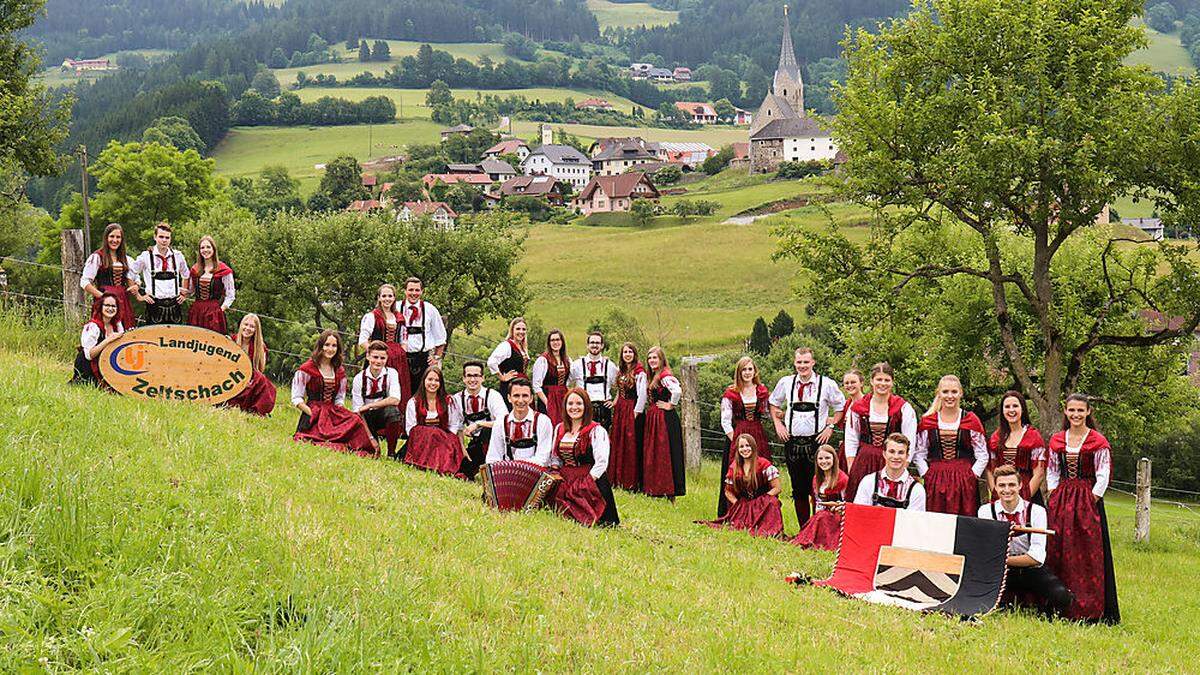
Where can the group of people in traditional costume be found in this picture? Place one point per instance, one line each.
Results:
(598, 424)
(889, 457)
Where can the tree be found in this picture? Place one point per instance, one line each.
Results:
(31, 122)
(342, 182)
(668, 175)
(380, 51)
(275, 190)
(797, 170)
(537, 208)
(619, 327)
(724, 109)
(438, 95)
(364, 52)
(760, 338)
(520, 47)
(1161, 17)
(140, 184)
(277, 59)
(173, 131)
(1005, 165)
(717, 163)
(724, 84)
(265, 83)
(406, 190)
(684, 208)
(351, 44)
(461, 198)
(642, 211)
(782, 325)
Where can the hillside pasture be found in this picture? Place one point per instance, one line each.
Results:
(410, 103)
(629, 14)
(1165, 53)
(158, 537)
(714, 135)
(53, 75)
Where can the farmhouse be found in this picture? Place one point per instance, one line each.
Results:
(697, 113)
(458, 129)
(781, 131)
(742, 116)
(474, 179)
(365, 205)
(440, 212)
(1152, 227)
(661, 75)
(617, 158)
(508, 146)
(80, 66)
(559, 161)
(533, 186)
(593, 104)
(682, 74)
(606, 194)
(640, 71)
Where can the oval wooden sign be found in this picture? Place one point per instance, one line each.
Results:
(178, 363)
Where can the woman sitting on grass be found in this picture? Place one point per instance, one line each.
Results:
(319, 393)
(432, 420)
(259, 396)
(104, 327)
(752, 489)
(580, 455)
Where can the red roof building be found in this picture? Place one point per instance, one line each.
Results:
(605, 194)
(698, 113)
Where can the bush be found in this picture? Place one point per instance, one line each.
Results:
(796, 170)
(760, 338)
(668, 175)
(718, 162)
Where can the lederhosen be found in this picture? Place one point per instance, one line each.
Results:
(516, 362)
(799, 452)
(878, 499)
(418, 360)
(601, 414)
(164, 310)
(1050, 593)
(523, 443)
(476, 452)
(378, 418)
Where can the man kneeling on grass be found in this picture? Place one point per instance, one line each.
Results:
(1028, 577)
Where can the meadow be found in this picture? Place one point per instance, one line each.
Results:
(1164, 53)
(410, 103)
(150, 536)
(349, 65)
(53, 75)
(629, 14)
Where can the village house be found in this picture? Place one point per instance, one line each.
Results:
(601, 144)
(682, 74)
(80, 66)
(364, 205)
(741, 117)
(369, 180)
(497, 169)
(640, 71)
(559, 161)
(1151, 227)
(508, 146)
(440, 212)
(544, 187)
(473, 179)
(458, 129)
(691, 154)
(593, 104)
(697, 113)
(617, 158)
(661, 75)
(608, 194)
(741, 155)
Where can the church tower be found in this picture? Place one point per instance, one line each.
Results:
(788, 83)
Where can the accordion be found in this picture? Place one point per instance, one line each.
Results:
(516, 485)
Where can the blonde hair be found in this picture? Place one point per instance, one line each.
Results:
(256, 347)
(662, 365)
(525, 342)
(394, 296)
(737, 371)
(936, 406)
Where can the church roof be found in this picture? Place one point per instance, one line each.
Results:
(786, 111)
(787, 54)
(791, 127)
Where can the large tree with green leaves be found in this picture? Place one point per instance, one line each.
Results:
(31, 123)
(1004, 129)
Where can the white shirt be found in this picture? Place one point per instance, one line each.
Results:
(581, 368)
(502, 351)
(300, 389)
(1032, 544)
(91, 336)
(1102, 458)
(908, 427)
(540, 454)
(541, 369)
(374, 383)
(978, 446)
(599, 450)
(145, 267)
(367, 326)
(672, 385)
(92, 267)
(640, 382)
(866, 490)
(227, 282)
(727, 410)
(430, 320)
(829, 401)
(454, 417)
(490, 401)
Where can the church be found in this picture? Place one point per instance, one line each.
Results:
(782, 131)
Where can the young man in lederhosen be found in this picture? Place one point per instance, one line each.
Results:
(163, 271)
(482, 408)
(597, 375)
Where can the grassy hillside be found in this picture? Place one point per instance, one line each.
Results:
(53, 76)
(716, 136)
(157, 537)
(351, 66)
(1164, 53)
(629, 14)
(413, 100)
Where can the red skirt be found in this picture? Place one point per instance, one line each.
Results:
(868, 461)
(556, 401)
(823, 531)
(124, 306)
(662, 442)
(335, 427)
(398, 359)
(577, 496)
(761, 516)
(841, 457)
(756, 430)
(624, 454)
(951, 487)
(1079, 553)
(208, 314)
(258, 397)
(433, 448)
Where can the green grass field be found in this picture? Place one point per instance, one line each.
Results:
(1164, 53)
(629, 14)
(53, 76)
(154, 537)
(410, 103)
(351, 66)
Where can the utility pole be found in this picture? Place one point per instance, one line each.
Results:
(370, 129)
(87, 212)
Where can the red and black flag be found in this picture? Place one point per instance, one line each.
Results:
(933, 562)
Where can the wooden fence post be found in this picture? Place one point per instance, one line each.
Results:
(1141, 512)
(689, 409)
(72, 262)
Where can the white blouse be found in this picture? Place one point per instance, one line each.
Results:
(537, 376)
(978, 445)
(300, 389)
(227, 282)
(908, 427)
(367, 326)
(92, 335)
(453, 415)
(501, 352)
(727, 410)
(599, 449)
(1102, 458)
(672, 386)
(92, 267)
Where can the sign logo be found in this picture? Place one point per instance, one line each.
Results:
(178, 363)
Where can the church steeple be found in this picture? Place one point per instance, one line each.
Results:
(787, 55)
(788, 83)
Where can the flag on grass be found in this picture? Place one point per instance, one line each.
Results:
(931, 562)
